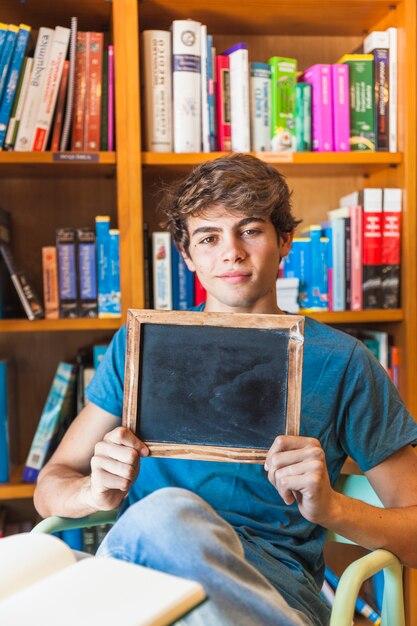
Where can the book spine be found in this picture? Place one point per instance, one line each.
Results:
(103, 265)
(116, 298)
(382, 96)
(356, 300)
(324, 278)
(328, 233)
(200, 293)
(392, 107)
(69, 104)
(338, 254)
(211, 92)
(50, 282)
(182, 282)
(372, 248)
(92, 124)
(162, 270)
(67, 272)
(18, 103)
(50, 86)
(110, 106)
(60, 107)
(239, 97)
(361, 81)
(205, 124)
(80, 88)
(316, 267)
(260, 110)
(104, 101)
(4, 424)
(391, 248)
(53, 411)
(341, 108)
(87, 272)
(147, 266)
(283, 81)
(13, 75)
(24, 138)
(348, 263)
(6, 56)
(303, 116)
(319, 77)
(223, 103)
(157, 90)
(186, 88)
(3, 33)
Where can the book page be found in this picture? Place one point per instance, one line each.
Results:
(28, 557)
(105, 592)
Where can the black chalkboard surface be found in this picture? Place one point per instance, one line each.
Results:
(211, 385)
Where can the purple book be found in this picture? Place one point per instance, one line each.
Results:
(110, 127)
(341, 107)
(319, 76)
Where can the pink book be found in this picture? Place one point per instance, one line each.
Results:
(223, 103)
(341, 107)
(356, 223)
(319, 76)
(110, 127)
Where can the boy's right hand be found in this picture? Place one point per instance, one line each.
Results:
(115, 467)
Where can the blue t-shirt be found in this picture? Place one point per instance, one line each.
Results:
(348, 403)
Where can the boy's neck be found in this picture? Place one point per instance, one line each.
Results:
(259, 307)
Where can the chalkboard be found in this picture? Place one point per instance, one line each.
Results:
(211, 385)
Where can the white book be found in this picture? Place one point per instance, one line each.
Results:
(50, 88)
(186, 85)
(156, 75)
(376, 39)
(42, 584)
(205, 126)
(24, 139)
(15, 121)
(392, 87)
(239, 97)
(260, 106)
(162, 270)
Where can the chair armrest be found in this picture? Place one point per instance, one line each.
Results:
(56, 524)
(352, 579)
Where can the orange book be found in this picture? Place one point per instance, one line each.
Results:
(80, 86)
(94, 68)
(60, 109)
(50, 282)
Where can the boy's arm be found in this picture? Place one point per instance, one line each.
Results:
(297, 468)
(92, 469)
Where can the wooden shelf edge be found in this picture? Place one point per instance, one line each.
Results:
(375, 316)
(16, 489)
(84, 159)
(19, 326)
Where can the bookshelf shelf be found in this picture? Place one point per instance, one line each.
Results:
(15, 489)
(60, 164)
(375, 316)
(22, 326)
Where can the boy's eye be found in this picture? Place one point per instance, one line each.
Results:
(208, 239)
(251, 231)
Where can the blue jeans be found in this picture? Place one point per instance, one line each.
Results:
(175, 531)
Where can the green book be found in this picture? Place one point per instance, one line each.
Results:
(362, 101)
(303, 117)
(283, 82)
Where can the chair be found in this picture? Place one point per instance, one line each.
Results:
(352, 578)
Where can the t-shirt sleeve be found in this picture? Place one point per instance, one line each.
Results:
(106, 387)
(375, 421)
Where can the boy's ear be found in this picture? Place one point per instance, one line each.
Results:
(285, 243)
(187, 259)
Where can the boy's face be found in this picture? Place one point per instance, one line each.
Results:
(236, 258)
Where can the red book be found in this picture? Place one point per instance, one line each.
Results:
(78, 119)
(371, 200)
(223, 103)
(391, 248)
(199, 292)
(60, 109)
(94, 65)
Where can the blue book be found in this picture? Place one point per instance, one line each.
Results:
(328, 234)
(103, 265)
(73, 538)
(6, 56)
(182, 282)
(115, 294)
(3, 33)
(338, 274)
(87, 272)
(67, 272)
(7, 438)
(59, 409)
(316, 267)
(211, 95)
(324, 270)
(12, 79)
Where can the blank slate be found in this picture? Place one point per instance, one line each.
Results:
(212, 386)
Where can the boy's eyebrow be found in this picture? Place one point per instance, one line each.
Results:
(218, 229)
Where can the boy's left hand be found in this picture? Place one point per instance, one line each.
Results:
(297, 468)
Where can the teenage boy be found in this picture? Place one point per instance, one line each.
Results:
(251, 535)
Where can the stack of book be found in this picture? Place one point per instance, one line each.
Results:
(221, 101)
(50, 102)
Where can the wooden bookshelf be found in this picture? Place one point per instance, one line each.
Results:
(36, 326)
(356, 317)
(61, 164)
(16, 489)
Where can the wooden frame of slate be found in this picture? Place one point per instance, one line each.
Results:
(212, 386)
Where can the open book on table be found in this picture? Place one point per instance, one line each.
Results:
(42, 584)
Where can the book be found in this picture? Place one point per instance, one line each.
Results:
(283, 81)
(239, 97)
(319, 76)
(12, 79)
(50, 87)
(392, 86)
(24, 289)
(377, 44)
(110, 99)
(26, 130)
(94, 68)
(42, 583)
(371, 201)
(105, 101)
(50, 282)
(162, 270)
(60, 109)
(8, 422)
(156, 60)
(361, 83)
(67, 272)
(186, 85)
(87, 272)
(391, 248)
(356, 232)
(211, 92)
(80, 91)
(18, 103)
(182, 282)
(223, 103)
(205, 122)
(103, 266)
(200, 293)
(341, 107)
(260, 106)
(303, 116)
(6, 56)
(69, 103)
(59, 407)
(115, 293)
